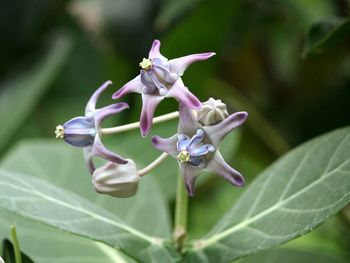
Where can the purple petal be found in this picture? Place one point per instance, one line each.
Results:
(196, 139)
(149, 104)
(188, 124)
(218, 166)
(133, 85)
(182, 142)
(79, 131)
(88, 159)
(190, 175)
(107, 111)
(202, 150)
(179, 65)
(218, 131)
(100, 150)
(183, 95)
(167, 145)
(91, 105)
(155, 51)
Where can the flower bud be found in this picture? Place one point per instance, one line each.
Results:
(212, 112)
(118, 180)
(1, 260)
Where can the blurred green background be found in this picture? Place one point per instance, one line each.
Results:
(286, 62)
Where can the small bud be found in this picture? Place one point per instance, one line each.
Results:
(1, 260)
(118, 180)
(212, 112)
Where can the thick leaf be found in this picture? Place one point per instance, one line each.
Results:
(292, 256)
(8, 253)
(46, 244)
(40, 201)
(21, 93)
(63, 166)
(289, 199)
(325, 35)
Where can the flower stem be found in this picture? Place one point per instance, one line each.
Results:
(181, 207)
(18, 256)
(153, 164)
(136, 125)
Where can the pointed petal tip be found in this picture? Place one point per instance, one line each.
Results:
(189, 189)
(144, 133)
(242, 115)
(155, 140)
(156, 42)
(145, 127)
(123, 105)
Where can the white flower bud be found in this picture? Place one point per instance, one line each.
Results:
(1, 260)
(212, 112)
(118, 180)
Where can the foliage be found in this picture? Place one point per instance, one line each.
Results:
(285, 62)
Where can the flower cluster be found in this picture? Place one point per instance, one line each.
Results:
(195, 146)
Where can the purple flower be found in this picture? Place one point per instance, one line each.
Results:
(196, 147)
(84, 131)
(161, 78)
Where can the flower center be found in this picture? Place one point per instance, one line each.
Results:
(193, 150)
(59, 132)
(184, 156)
(146, 64)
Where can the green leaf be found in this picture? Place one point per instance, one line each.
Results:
(21, 92)
(8, 253)
(63, 166)
(46, 244)
(292, 256)
(40, 201)
(290, 198)
(325, 35)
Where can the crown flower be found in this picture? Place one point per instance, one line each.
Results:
(160, 78)
(196, 147)
(84, 131)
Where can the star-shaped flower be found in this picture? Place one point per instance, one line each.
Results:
(84, 131)
(196, 147)
(161, 78)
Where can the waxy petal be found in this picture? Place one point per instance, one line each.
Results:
(187, 121)
(218, 131)
(155, 51)
(179, 65)
(149, 104)
(182, 142)
(196, 139)
(91, 105)
(107, 111)
(100, 150)
(218, 166)
(202, 150)
(183, 95)
(167, 145)
(88, 159)
(79, 131)
(190, 175)
(133, 86)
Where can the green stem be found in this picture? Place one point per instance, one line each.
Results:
(181, 207)
(18, 256)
